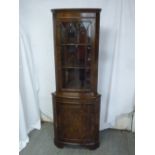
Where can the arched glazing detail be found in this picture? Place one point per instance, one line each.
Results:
(76, 54)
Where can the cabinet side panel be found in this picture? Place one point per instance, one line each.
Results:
(55, 49)
(96, 52)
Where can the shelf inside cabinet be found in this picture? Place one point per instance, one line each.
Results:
(75, 67)
(75, 44)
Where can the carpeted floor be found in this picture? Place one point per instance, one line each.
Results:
(112, 142)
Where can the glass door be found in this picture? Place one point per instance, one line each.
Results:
(76, 54)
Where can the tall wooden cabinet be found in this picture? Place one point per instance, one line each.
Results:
(76, 103)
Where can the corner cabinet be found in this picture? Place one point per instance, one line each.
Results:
(76, 103)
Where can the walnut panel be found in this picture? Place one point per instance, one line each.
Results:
(75, 13)
(75, 122)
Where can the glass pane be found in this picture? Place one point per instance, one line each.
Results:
(76, 78)
(76, 32)
(76, 55)
(68, 32)
(76, 51)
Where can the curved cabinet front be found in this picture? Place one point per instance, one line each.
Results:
(76, 103)
(76, 121)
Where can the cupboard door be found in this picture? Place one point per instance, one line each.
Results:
(76, 122)
(75, 42)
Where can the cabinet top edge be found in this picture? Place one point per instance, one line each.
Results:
(77, 9)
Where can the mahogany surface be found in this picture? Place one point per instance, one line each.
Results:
(76, 103)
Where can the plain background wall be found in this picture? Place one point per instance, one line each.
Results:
(36, 20)
(36, 17)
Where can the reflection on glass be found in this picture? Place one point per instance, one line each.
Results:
(71, 33)
(82, 33)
